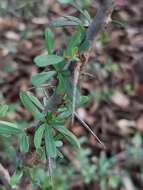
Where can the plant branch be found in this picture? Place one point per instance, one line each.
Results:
(89, 129)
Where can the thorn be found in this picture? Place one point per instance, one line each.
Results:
(76, 77)
(89, 129)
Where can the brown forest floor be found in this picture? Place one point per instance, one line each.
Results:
(116, 110)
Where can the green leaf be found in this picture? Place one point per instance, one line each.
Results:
(85, 43)
(83, 12)
(38, 136)
(30, 106)
(87, 17)
(64, 1)
(73, 19)
(41, 78)
(49, 40)
(63, 113)
(69, 89)
(58, 143)
(83, 100)
(114, 181)
(38, 175)
(7, 128)
(3, 110)
(61, 85)
(16, 178)
(24, 143)
(137, 140)
(68, 135)
(61, 22)
(49, 142)
(74, 42)
(45, 60)
(74, 52)
(60, 154)
(35, 100)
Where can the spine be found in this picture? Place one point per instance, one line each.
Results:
(75, 83)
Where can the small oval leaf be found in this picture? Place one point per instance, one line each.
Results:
(68, 135)
(35, 100)
(7, 128)
(24, 143)
(41, 78)
(49, 40)
(49, 142)
(45, 60)
(30, 106)
(38, 136)
(74, 19)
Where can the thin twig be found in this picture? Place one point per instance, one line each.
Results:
(76, 78)
(89, 129)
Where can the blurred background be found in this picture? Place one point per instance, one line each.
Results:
(115, 109)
